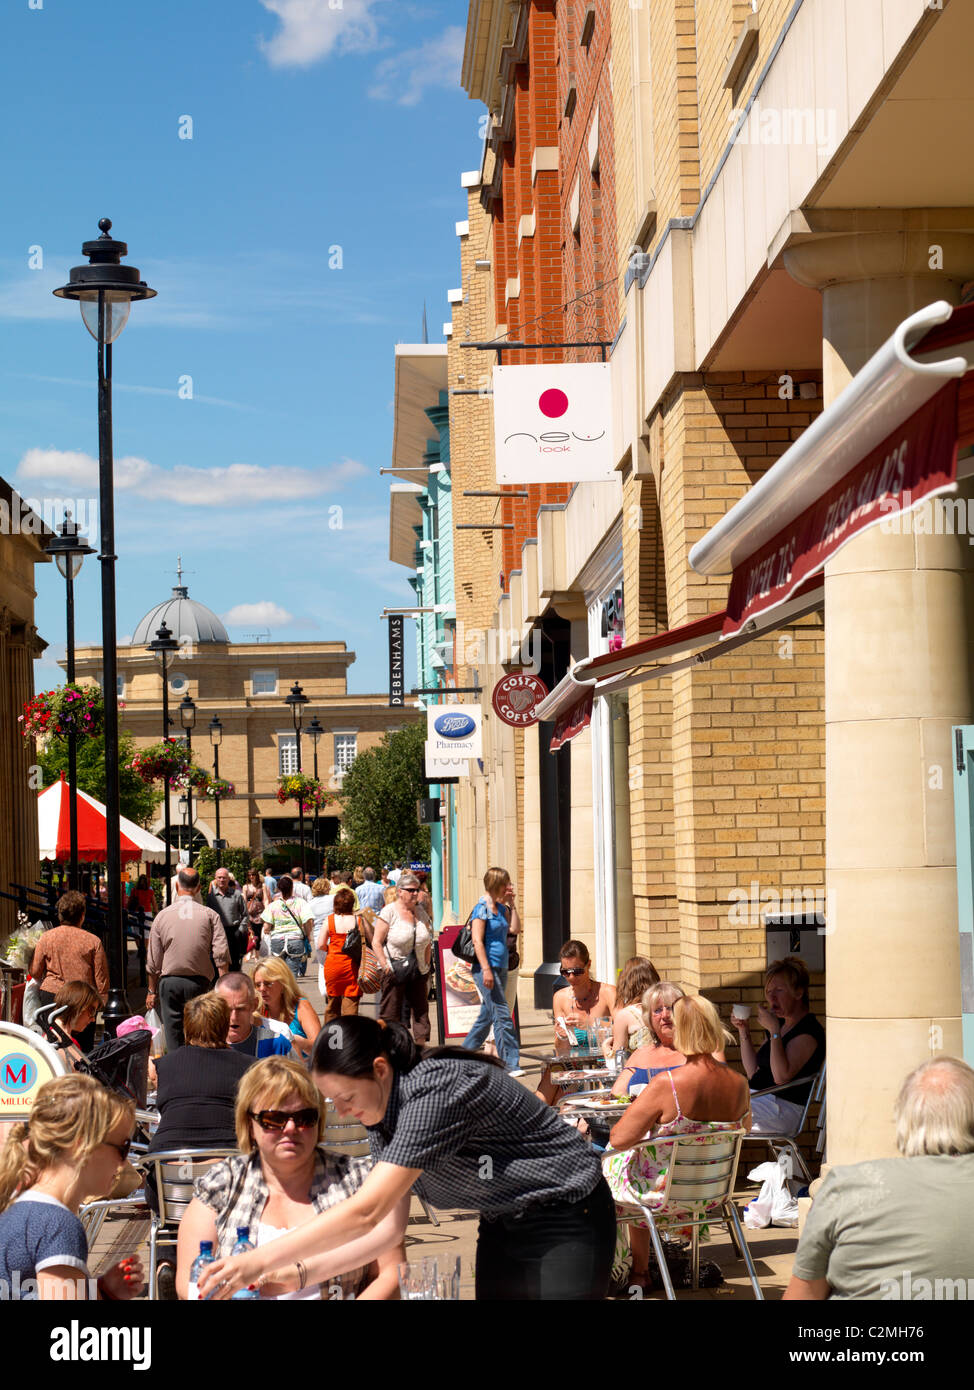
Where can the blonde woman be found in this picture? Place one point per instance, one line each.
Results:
(281, 1179)
(76, 1143)
(281, 1002)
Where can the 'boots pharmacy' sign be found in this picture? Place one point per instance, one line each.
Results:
(454, 731)
(553, 424)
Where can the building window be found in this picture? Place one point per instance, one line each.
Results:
(263, 682)
(345, 751)
(119, 687)
(178, 682)
(287, 752)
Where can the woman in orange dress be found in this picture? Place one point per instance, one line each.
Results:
(341, 971)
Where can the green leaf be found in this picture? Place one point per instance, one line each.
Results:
(380, 791)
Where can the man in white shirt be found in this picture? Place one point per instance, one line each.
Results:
(395, 872)
(299, 888)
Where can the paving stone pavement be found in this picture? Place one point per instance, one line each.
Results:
(456, 1233)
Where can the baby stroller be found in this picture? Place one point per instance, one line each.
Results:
(121, 1064)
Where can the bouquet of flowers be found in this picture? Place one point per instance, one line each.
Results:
(19, 949)
(77, 709)
(308, 791)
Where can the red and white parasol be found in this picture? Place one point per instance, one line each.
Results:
(54, 827)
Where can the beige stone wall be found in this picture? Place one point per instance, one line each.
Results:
(19, 645)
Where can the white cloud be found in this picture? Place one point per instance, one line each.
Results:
(238, 485)
(314, 29)
(263, 614)
(436, 63)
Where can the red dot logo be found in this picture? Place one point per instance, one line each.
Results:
(553, 403)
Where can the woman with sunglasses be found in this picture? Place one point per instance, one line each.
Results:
(77, 1141)
(403, 941)
(576, 1007)
(452, 1126)
(281, 1179)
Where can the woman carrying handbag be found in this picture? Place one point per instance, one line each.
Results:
(342, 937)
(403, 942)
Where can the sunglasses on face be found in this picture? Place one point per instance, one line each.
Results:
(276, 1120)
(121, 1149)
(574, 972)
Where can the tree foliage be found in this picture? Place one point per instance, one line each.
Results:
(137, 800)
(379, 795)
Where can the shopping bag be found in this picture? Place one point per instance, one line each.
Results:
(775, 1204)
(152, 1020)
(32, 1002)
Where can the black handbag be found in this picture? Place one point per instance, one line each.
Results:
(353, 943)
(463, 947)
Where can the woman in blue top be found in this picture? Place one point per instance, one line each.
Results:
(73, 1148)
(494, 916)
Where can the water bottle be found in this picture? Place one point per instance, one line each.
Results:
(240, 1247)
(204, 1258)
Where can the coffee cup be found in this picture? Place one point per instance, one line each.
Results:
(741, 1011)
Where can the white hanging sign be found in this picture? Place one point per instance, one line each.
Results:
(553, 424)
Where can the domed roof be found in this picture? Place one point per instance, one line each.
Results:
(187, 620)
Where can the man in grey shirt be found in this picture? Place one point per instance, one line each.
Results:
(227, 901)
(900, 1228)
(185, 941)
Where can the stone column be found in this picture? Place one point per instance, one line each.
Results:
(898, 674)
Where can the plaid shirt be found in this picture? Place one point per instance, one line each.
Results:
(236, 1191)
(484, 1142)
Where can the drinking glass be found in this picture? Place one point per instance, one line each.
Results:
(417, 1280)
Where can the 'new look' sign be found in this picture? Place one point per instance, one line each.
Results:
(453, 731)
(553, 424)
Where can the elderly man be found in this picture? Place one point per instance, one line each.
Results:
(227, 901)
(244, 1037)
(185, 941)
(370, 893)
(299, 889)
(900, 1228)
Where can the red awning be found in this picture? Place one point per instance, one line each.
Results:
(917, 461)
(574, 719)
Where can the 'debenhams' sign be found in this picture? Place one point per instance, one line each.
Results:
(916, 462)
(553, 424)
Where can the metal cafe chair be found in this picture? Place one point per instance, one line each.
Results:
(176, 1170)
(788, 1139)
(698, 1191)
(349, 1137)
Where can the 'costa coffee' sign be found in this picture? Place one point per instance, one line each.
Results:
(516, 698)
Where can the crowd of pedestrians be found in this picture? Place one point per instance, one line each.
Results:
(250, 1066)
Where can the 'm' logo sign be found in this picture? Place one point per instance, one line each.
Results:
(18, 1073)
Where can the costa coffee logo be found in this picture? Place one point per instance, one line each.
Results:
(553, 404)
(516, 698)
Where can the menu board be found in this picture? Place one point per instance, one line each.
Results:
(457, 1000)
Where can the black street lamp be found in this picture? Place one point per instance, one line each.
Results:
(315, 731)
(187, 716)
(105, 289)
(163, 644)
(69, 553)
(297, 701)
(216, 738)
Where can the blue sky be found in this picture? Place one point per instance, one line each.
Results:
(315, 126)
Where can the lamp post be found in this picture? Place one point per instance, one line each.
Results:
(216, 738)
(164, 643)
(315, 731)
(297, 701)
(105, 289)
(187, 716)
(69, 553)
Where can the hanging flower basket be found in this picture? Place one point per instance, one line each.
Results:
(217, 788)
(309, 792)
(164, 762)
(77, 709)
